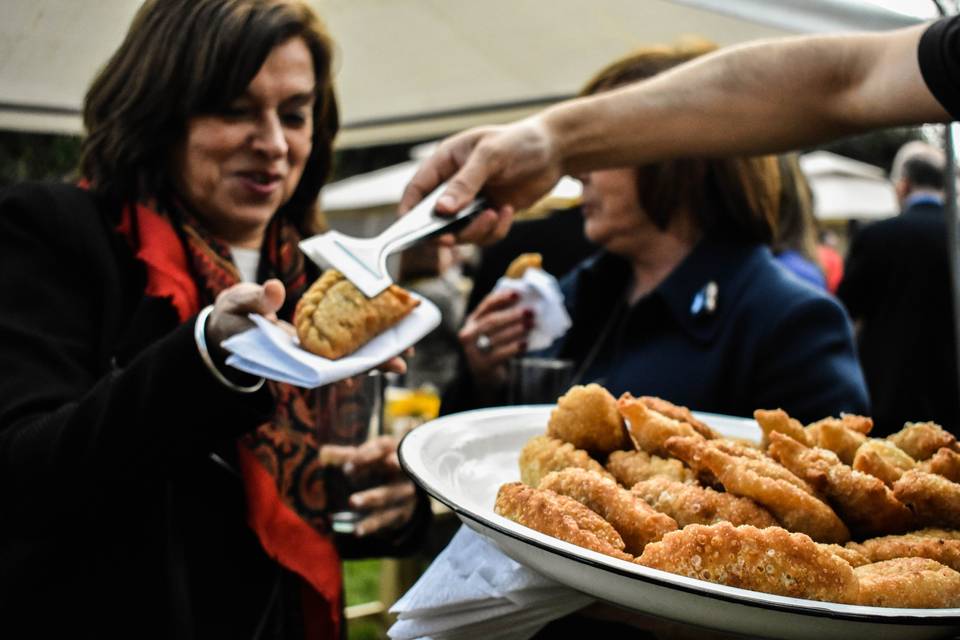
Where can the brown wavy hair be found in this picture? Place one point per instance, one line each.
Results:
(734, 196)
(183, 58)
(797, 225)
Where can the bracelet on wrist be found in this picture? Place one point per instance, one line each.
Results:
(200, 337)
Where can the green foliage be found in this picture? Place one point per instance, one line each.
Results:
(361, 580)
(34, 156)
(364, 630)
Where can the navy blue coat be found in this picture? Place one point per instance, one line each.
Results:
(770, 341)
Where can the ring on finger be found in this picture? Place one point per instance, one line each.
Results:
(483, 343)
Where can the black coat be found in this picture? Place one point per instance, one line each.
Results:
(896, 284)
(115, 521)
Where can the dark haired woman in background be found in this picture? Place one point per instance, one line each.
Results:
(795, 240)
(146, 488)
(684, 300)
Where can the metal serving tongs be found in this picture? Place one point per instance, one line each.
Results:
(363, 261)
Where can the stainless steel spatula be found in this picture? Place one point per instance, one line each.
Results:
(363, 261)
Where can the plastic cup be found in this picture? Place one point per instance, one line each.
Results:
(538, 380)
(349, 412)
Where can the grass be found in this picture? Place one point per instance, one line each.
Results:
(364, 630)
(361, 580)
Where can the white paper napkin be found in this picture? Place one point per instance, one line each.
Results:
(540, 291)
(267, 350)
(472, 590)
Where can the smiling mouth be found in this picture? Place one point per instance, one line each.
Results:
(261, 178)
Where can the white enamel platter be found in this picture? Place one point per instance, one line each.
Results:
(462, 459)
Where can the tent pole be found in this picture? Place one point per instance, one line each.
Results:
(953, 234)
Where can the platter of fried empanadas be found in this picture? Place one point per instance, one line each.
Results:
(334, 318)
(552, 486)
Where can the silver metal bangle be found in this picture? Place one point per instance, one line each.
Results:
(199, 336)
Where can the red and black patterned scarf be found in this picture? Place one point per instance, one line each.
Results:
(282, 476)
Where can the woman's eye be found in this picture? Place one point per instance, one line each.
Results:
(294, 118)
(234, 112)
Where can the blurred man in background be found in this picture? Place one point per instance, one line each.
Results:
(897, 289)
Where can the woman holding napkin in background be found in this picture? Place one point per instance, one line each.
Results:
(146, 488)
(684, 299)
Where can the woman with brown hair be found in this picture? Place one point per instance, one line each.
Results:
(684, 299)
(148, 489)
(795, 243)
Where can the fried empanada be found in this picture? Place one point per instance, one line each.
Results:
(934, 499)
(843, 436)
(920, 440)
(770, 560)
(630, 467)
(650, 429)
(559, 516)
(936, 544)
(853, 557)
(739, 454)
(912, 583)
(334, 318)
(882, 459)
(778, 420)
(945, 462)
(678, 412)
(522, 262)
(587, 418)
(636, 521)
(689, 503)
(543, 454)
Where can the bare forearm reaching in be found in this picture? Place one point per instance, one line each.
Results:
(762, 97)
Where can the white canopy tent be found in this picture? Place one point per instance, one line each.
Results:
(384, 187)
(845, 189)
(824, 16)
(417, 69)
(375, 192)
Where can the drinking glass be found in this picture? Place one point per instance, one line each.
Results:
(349, 412)
(538, 380)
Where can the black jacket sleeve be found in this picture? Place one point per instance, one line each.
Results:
(73, 427)
(939, 58)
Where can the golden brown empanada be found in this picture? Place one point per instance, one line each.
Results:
(334, 318)
(523, 262)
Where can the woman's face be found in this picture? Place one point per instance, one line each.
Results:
(236, 168)
(611, 210)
